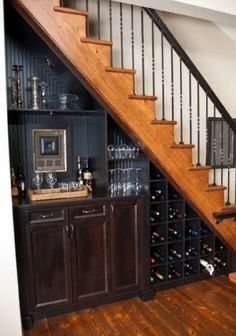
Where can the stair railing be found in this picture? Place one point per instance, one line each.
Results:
(143, 42)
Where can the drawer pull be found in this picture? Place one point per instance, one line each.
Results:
(46, 216)
(87, 212)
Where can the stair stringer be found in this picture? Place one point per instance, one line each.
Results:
(88, 61)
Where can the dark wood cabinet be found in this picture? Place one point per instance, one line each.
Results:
(126, 220)
(79, 254)
(90, 253)
(49, 265)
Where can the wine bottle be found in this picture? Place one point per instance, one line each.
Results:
(155, 174)
(219, 262)
(79, 173)
(191, 232)
(209, 268)
(156, 237)
(204, 230)
(190, 251)
(156, 257)
(157, 275)
(87, 175)
(173, 272)
(21, 183)
(155, 216)
(189, 269)
(173, 234)
(175, 253)
(156, 194)
(205, 248)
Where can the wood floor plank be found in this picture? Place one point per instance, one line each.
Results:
(206, 308)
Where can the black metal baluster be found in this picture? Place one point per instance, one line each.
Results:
(132, 43)
(207, 134)
(153, 62)
(110, 20)
(190, 109)
(172, 85)
(229, 165)
(198, 126)
(99, 22)
(221, 150)
(121, 36)
(163, 76)
(214, 147)
(87, 18)
(181, 100)
(143, 53)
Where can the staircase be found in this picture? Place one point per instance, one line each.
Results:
(64, 30)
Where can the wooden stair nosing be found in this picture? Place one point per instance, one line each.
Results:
(228, 210)
(200, 168)
(214, 188)
(70, 11)
(95, 41)
(182, 146)
(120, 70)
(163, 122)
(144, 97)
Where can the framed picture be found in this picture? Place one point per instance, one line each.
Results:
(49, 150)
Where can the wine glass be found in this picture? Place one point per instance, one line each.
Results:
(51, 179)
(37, 179)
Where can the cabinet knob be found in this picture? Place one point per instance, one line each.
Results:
(112, 210)
(71, 231)
(86, 212)
(46, 216)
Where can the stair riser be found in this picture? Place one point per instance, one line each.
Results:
(126, 79)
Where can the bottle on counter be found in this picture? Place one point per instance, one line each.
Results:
(79, 174)
(87, 175)
(21, 183)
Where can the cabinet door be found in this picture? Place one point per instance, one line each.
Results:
(49, 266)
(125, 252)
(90, 269)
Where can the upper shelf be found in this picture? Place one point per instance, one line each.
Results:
(57, 111)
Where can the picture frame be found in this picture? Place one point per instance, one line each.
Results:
(49, 150)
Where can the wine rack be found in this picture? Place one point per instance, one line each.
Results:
(179, 239)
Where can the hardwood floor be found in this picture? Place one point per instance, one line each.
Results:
(206, 308)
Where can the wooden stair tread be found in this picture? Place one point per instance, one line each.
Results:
(196, 168)
(95, 41)
(163, 122)
(144, 97)
(69, 11)
(120, 70)
(226, 210)
(213, 188)
(178, 146)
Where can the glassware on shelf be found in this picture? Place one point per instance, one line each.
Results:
(43, 94)
(51, 179)
(138, 184)
(37, 179)
(34, 83)
(122, 151)
(67, 100)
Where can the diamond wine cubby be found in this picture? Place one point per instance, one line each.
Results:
(182, 247)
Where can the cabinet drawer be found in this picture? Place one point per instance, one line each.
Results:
(47, 215)
(88, 210)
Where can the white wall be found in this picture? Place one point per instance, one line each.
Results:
(9, 303)
(212, 51)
